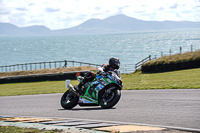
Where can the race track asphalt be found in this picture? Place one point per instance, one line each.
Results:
(175, 107)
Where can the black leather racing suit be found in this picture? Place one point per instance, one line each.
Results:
(91, 75)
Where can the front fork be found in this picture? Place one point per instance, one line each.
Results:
(71, 88)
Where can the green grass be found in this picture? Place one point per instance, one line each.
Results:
(30, 88)
(12, 129)
(169, 80)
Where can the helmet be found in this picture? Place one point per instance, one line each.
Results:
(114, 63)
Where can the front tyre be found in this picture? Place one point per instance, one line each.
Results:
(69, 100)
(108, 100)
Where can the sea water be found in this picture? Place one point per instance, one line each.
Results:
(129, 48)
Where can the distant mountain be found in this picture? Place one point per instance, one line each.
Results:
(37, 29)
(7, 29)
(123, 24)
(114, 24)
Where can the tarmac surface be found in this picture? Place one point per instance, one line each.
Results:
(169, 109)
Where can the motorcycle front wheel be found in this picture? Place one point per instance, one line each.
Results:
(69, 100)
(108, 100)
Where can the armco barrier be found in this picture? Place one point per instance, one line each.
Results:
(42, 77)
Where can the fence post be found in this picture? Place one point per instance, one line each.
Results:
(50, 65)
(180, 50)
(30, 66)
(55, 64)
(26, 67)
(65, 64)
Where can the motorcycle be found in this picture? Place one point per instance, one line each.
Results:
(104, 91)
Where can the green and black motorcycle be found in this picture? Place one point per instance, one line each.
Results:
(104, 91)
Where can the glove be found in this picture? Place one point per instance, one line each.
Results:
(100, 70)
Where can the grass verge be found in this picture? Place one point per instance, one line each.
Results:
(167, 80)
(12, 129)
(29, 88)
(174, 59)
(137, 81)
(45, 71)
(176, 62)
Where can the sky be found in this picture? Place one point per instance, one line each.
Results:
(60, 14)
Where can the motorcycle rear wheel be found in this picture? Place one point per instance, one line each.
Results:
(69, 100)
(110, 100)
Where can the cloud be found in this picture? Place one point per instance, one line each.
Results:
(174, 6)
(58, 14)
(22, 9)
(3, 9)
(49, 9)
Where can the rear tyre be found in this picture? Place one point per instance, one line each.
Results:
(108, 100)
(69, 100)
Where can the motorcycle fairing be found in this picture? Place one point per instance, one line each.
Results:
(92, 91)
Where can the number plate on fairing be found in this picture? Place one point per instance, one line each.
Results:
(99, 86)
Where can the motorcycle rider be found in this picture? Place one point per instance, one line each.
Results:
(114, 63)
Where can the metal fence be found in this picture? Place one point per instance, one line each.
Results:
(125, 68)
(139, 64)
(149, 58)
(44, 65)
(178, 51)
